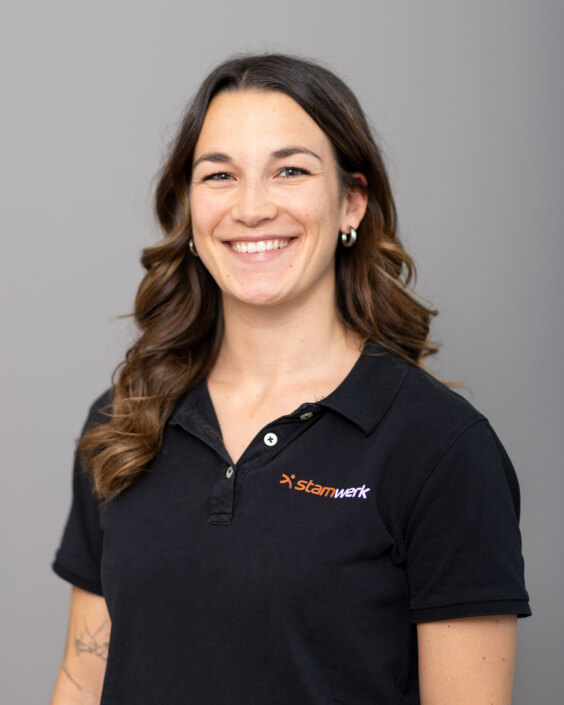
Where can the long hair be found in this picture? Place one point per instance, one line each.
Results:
(178, 305)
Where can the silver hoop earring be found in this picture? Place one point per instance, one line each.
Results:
(192, 247)
(348, 239)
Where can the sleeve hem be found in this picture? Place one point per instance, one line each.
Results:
(77, 580)
(471, 609)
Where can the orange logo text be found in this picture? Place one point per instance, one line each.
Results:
(311, 487)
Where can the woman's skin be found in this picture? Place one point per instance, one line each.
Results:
(467, 661)
(82, 670)
(264, 172)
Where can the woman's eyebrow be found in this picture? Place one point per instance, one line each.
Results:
(290, 151)
(284, 153)
(212, 157)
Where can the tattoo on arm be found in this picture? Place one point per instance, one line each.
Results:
(68, 675)
(92, 643)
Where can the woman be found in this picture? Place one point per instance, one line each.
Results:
(280, 505)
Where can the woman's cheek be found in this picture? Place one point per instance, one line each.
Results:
(206, 211)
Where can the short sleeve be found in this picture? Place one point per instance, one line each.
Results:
(462, 534)
(79, 555)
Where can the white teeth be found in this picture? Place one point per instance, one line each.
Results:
(260, 246)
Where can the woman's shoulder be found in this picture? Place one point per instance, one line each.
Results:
(437, 413)
(436, 439)
(100, 409)
(423, 409)
(417, 395)
(425, 393)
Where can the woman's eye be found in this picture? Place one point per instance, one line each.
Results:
(292, 171)
(219, 176)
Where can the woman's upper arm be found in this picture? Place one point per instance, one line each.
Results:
(467, 661)
(82, 670)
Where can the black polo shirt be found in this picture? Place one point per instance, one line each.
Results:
(296, 576)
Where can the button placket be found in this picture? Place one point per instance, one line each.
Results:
(262, 450)
(222, 498)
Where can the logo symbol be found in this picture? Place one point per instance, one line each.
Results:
(287, 480)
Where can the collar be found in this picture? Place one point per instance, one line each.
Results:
(363, 397)
(369, 389)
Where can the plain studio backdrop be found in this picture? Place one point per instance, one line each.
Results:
(467, 100)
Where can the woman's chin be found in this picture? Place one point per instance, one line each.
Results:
(263, 296)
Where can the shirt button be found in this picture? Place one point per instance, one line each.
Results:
(229, 472)
(270, 439)
(306, 415)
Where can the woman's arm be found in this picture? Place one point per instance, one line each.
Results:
(81, 674)
(467, 661)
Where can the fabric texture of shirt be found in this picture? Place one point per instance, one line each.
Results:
(298, 574)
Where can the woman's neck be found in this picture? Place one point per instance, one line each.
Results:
(262, 346)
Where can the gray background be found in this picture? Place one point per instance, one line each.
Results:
(467, 97)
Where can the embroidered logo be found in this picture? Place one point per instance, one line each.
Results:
(311, 488)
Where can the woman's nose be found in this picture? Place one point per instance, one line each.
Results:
(253, 204)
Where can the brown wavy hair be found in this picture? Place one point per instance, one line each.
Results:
(178, 305)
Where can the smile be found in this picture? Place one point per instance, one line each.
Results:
(258, 246)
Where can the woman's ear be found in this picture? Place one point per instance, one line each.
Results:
(356, 201)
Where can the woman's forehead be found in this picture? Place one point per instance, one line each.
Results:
(261, 120)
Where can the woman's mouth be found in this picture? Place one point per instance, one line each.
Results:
(252, 246)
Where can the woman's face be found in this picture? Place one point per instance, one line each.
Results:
(265, 200)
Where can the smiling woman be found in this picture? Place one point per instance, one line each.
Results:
(279, 340)
(266, 203)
